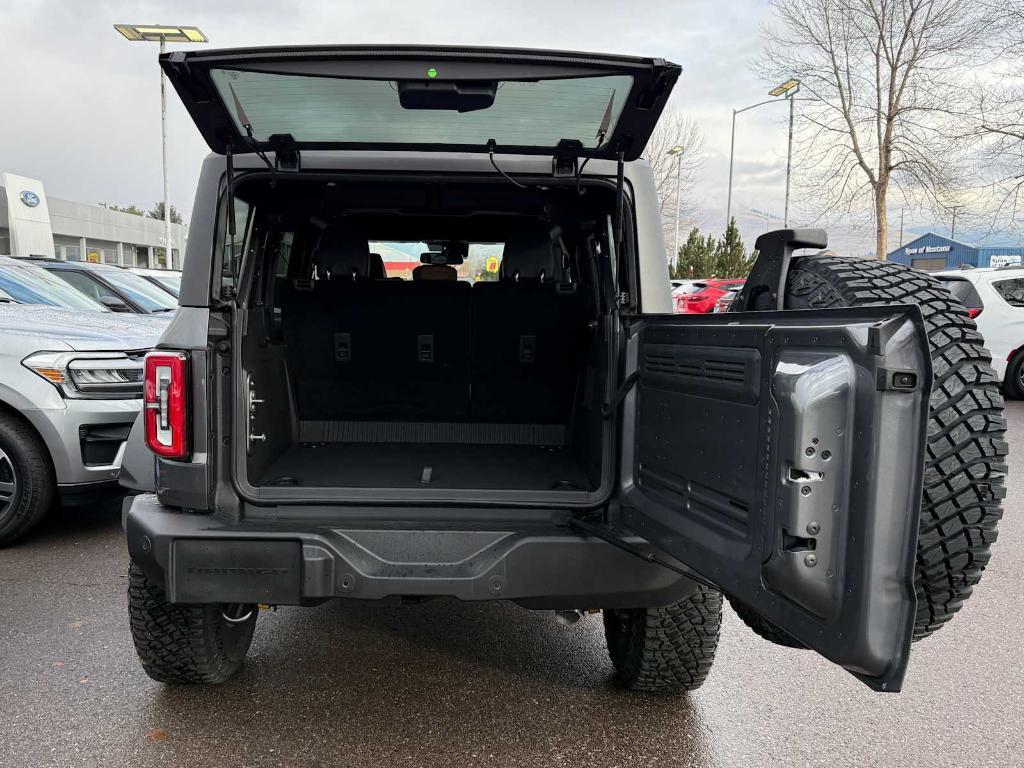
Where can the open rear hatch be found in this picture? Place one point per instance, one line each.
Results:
(421, 98)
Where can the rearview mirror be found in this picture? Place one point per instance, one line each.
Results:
(431, 94)
(114, 304)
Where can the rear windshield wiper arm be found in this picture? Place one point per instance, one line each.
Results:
(244, 121)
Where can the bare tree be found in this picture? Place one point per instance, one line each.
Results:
(1000, 126)
(675, 173)
(888, 77)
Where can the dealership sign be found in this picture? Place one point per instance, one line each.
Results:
(1005, 260)
(928, 249)
(29, 198)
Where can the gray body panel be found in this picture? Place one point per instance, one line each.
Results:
(202, 558)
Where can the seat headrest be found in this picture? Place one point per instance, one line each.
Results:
(440, 272)
(529, 254)
(377, 270)
(341, 253)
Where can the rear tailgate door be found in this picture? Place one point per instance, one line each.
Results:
(422, 98)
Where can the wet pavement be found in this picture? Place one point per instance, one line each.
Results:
(455, 684)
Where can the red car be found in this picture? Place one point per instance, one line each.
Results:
(703, 294)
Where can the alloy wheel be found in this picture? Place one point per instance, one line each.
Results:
(8, 483)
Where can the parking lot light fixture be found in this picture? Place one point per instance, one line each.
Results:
(163, 34)
(677, 151)
(156, 33)
(787, 90)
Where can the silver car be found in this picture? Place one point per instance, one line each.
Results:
(70, 389)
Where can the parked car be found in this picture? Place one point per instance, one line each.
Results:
(680, 288)
(556, 437)
(70, 390)
(169, 280)
(703, 294)
(116, 288)
(726, 299)
(23, 282)
(994, 298)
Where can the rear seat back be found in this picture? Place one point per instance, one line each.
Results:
(528, 336)
(363, 349)
(378, 350)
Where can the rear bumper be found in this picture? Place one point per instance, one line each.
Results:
(198, 559)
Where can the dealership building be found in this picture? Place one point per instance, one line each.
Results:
(32, 224)
(933, 253)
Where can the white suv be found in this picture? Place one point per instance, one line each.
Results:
(995, 299)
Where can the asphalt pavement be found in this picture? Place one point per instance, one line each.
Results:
(456, 685)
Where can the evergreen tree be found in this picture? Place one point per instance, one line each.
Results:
(157, 212)
(731, 257)
(696, 257)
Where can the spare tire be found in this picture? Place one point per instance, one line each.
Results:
(965, 463)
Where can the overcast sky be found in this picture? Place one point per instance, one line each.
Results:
(81, 105)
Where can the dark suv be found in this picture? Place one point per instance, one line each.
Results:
(525, 419)
(117, 288)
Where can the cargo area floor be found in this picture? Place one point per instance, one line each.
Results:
(389, 465)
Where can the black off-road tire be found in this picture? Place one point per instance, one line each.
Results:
(186, 643)
(763, 627)
(665, 650)
(1013, 382)
(965, 463)
(27, 483)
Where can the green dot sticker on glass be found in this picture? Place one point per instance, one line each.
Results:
(432, 72)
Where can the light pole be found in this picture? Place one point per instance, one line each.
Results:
(150, 33)
(788, 90)
(952, 229)
(678, 151)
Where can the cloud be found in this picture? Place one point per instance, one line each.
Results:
(82, 104)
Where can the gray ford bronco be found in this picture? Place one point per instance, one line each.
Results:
(521, 417)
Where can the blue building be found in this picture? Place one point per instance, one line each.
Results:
(932, 253)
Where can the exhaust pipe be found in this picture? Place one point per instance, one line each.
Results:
(568, 618)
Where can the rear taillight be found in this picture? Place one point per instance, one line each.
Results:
(167, 404)
(973, 312)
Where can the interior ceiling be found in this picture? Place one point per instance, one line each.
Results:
(428, 210)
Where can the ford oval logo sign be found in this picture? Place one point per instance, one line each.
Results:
(30, 198)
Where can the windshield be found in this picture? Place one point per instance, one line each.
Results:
(170, 283)
(150, 297)
(338, 110)
(29, 284)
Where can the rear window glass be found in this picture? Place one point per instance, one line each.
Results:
(1011, 290)
(401, 258)
(337, 110)
(963, 291)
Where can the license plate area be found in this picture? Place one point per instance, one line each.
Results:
(218, 571)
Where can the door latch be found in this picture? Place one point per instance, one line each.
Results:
(251, 403)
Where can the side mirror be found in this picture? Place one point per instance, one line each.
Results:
(114, 304)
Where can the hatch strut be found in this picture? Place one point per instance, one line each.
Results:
(231, 200)
(619, 195)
